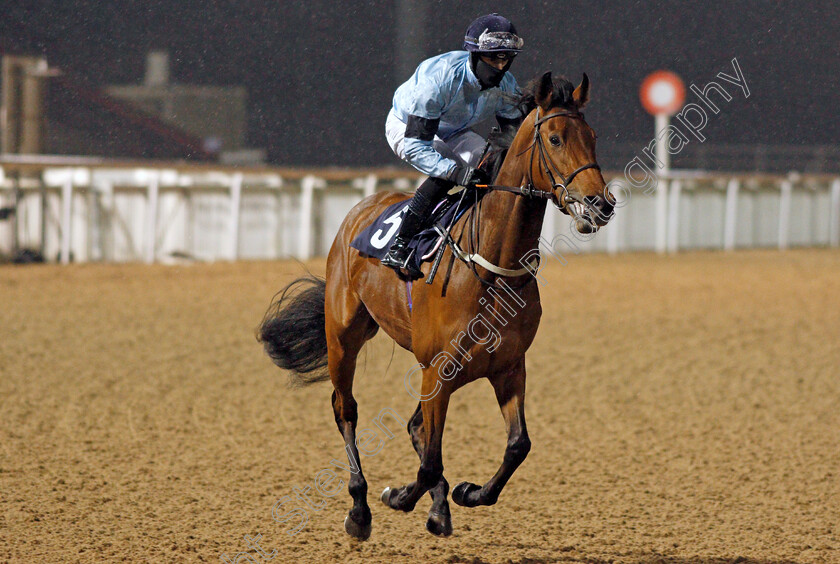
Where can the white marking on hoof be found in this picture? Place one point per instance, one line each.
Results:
(386, 495)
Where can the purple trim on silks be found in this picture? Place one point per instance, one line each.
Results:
(408, 291)
(440, 203)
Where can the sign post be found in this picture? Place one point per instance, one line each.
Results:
(663, 93)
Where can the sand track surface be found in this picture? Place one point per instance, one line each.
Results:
(682, 410)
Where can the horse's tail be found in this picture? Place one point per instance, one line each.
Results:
(292, 330)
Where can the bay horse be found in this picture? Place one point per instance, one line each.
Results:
(326, 324)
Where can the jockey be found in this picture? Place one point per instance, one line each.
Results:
(429, 123)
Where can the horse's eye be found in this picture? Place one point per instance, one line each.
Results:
(555, 140)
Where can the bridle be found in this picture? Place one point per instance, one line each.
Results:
(550, 167)
(537, 146)
(529, 190)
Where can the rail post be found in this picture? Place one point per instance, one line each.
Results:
(152, 198)
(369, 185)
(661, 214)
(674, 216)
(307, 192)
(235, 209)
(731, 217)
(784, 213)
(66, 218)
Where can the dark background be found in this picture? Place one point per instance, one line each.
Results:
(320, 74)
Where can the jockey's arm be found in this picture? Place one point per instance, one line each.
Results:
(430, 95)
(419, 134)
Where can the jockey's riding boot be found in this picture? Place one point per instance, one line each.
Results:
(399, 255)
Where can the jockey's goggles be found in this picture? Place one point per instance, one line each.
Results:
(497, 41)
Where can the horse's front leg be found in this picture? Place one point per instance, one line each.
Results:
(510, 392)
(431, 460)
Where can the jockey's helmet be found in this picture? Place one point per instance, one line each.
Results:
(492, 33)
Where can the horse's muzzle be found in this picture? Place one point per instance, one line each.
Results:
(590, 212)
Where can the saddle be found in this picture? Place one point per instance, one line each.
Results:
(375, 239)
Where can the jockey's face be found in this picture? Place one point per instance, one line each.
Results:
(496, 61)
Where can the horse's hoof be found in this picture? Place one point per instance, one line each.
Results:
(440, 525)
(361, 532)
(386, 496)
(461, 494)
(399, 504)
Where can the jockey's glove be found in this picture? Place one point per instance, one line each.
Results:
(469, 176)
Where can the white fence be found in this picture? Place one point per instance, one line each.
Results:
(96, 210)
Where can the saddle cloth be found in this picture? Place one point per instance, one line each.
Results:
(376, 238)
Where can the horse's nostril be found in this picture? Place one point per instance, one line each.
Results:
(600, 208)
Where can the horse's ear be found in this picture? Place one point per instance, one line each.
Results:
(545, 91)
(581, 94)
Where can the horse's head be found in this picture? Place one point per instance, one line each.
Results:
(562, 151)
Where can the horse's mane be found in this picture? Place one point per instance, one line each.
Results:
(562, 97)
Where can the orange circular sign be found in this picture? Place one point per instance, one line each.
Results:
(662, 92)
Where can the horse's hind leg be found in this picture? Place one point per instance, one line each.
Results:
(440, 520)
(348, 326)
(510, 393)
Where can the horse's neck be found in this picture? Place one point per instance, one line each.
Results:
(510, 224)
